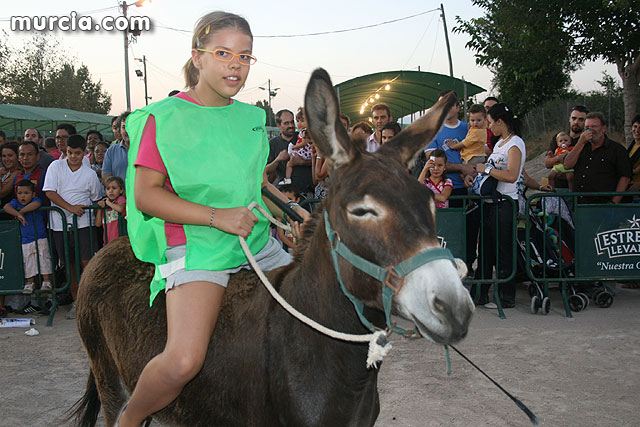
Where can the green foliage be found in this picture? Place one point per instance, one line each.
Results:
(271, 118)
(532, 46)
(524, 43)
(609, 29)
(40, 73)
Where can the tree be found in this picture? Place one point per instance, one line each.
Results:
(40, 73)
(271, 118)
(523, 42)
(610, 29)
(513, 36)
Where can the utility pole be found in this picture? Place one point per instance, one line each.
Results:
(144, 77)
(446, 37)
(126, 59)
(272, 94)
(144, 66)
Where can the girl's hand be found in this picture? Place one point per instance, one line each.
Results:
(238, 221)
(480, 167)
(296, 230)
(101, 203)
(430, 164)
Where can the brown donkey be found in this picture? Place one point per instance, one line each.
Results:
(263, 366)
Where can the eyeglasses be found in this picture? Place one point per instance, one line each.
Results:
(227, 56)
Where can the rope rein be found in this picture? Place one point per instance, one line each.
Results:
(378, 344)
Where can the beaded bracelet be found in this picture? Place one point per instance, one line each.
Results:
(213, 211)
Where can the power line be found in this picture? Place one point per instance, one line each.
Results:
(419, 41)
(299, 71)
(434, 44)
(321, 33)
(348, 29)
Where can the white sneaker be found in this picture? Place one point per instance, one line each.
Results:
(28, 288)
(490, 305)
(46, 287)
(285, 181)
(71, 314)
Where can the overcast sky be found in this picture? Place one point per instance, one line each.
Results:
(287, 62)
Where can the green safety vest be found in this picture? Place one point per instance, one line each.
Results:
(215, 156)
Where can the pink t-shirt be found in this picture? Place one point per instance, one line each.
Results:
(149, 157)
(111, 218)
(438, 189)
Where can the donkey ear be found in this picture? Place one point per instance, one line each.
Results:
(408, 143)
(322, 113)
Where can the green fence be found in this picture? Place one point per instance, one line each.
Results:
(605, 246)
(11, 260)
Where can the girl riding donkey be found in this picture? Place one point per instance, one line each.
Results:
(188, 225)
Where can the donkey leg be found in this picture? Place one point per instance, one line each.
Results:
(108, 383)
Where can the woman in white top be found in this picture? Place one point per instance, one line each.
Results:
(505, 164)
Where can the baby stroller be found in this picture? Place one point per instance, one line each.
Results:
(544, 257)
(555, 218)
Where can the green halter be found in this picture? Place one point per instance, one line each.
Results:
(381, 274)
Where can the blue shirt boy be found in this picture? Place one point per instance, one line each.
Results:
(28, 232)
(446, 136)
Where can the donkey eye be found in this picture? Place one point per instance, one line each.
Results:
(363, 212)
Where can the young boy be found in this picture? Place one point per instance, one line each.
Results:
(287, 237)
(35, 247)
(472, 146)
(72, 185)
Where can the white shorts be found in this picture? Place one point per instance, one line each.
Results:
(31, 259)
(270, 257)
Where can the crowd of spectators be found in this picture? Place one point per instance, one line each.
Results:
(485, 157)
(83, 176)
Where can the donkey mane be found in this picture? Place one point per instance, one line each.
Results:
(309, 230)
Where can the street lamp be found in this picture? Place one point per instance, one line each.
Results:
(144, 76)
(124, 5)
(272, 94)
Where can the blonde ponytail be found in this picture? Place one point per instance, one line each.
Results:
(191, 74)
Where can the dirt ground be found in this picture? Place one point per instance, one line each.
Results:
(583, 371)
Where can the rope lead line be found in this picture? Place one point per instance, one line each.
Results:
(379, 346)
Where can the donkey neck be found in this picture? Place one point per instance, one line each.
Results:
(313, 284)
(336, 368)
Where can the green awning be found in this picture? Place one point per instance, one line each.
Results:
(15, 119)
(408, 93)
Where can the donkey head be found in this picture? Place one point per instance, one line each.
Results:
(383, 214)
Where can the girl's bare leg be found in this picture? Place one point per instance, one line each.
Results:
(192, 312)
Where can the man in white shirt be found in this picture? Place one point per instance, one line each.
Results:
(380, 116)
(71, 185)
